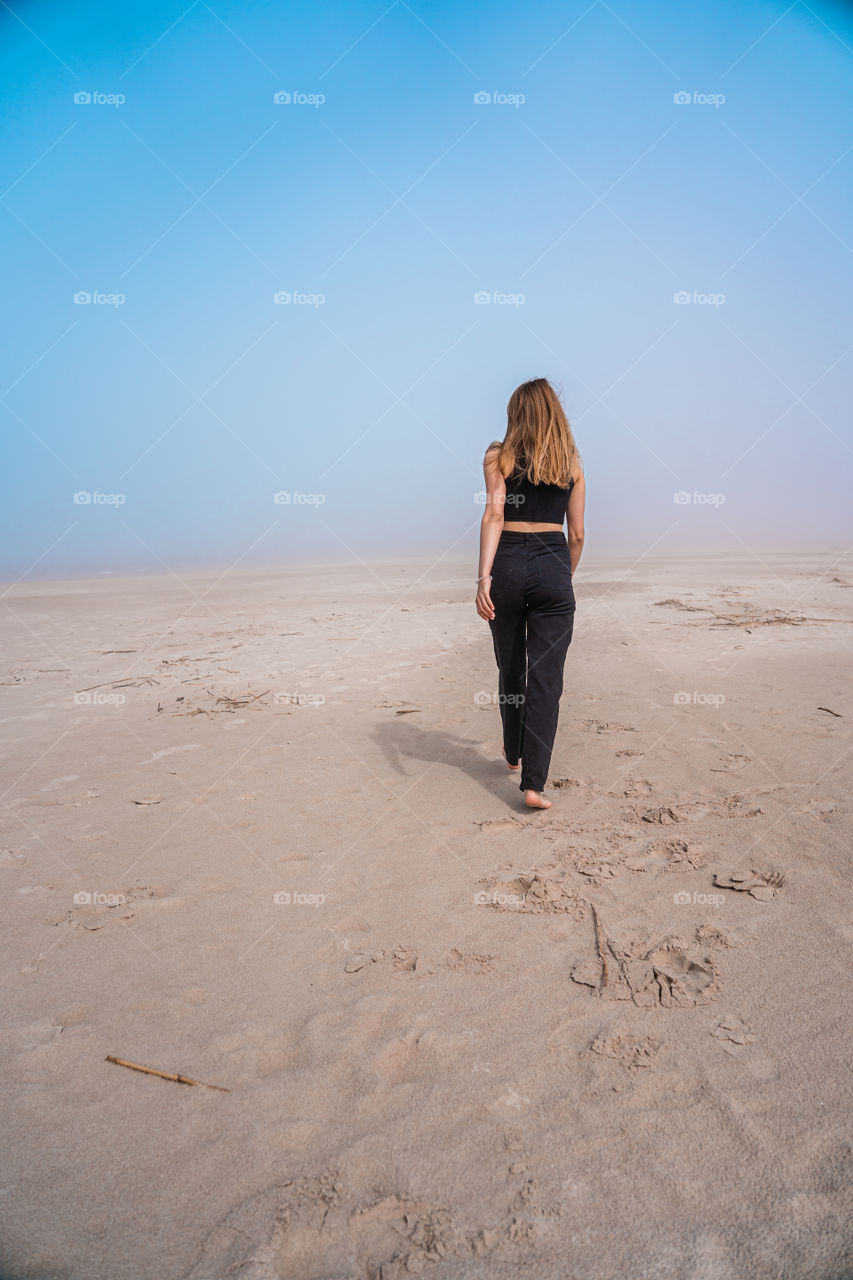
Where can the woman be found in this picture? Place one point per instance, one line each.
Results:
(534, 481)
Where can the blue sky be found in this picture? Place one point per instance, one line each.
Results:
(383, 199)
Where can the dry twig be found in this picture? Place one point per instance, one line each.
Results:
(164, 1075)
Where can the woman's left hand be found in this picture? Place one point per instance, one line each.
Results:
(485, 608)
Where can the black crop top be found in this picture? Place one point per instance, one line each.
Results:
(537, 503)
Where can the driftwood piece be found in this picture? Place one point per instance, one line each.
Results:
(164, 1075)
(125, 682)
(600, 940)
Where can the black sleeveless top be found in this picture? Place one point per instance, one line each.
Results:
(538, 503)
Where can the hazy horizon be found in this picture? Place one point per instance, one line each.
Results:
(332, 295)
(593, 562)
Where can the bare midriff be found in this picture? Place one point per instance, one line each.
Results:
(528, 526)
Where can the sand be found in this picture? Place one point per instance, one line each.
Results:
(273, 847)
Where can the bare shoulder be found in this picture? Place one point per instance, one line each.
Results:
(491, 455)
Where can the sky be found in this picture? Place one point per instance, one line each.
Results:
(273, 271)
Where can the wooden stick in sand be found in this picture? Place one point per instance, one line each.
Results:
(599, 935)
(164, 1075)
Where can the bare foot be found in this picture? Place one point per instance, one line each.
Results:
(536, 800)
(514, 767)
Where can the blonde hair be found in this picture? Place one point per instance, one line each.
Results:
(538, 440)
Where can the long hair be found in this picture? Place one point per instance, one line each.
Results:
(538, 440)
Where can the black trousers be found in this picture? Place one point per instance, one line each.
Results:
(531, 631)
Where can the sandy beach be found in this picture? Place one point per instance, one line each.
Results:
(257, 832)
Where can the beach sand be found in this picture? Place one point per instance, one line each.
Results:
(273, 847)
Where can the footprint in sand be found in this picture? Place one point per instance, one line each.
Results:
(637, 787)
(424, 1052)
(667, 855)
(665, 973)
(534, 892)
(362, 960)
(308, 1229)
(818, 808)
(734, 1034)
(631, 1052)
(597, 870)
(737, 1040)
(762, 883)
(110, 908)
(460, 961)
(491, 825)
(663, 815)
(717, 935)
(734, 762)
(405, 960)
(318, 1228)
(605, 726)
(734, 806)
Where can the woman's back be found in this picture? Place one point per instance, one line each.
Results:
(534, 503)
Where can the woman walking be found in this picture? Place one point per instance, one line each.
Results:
(534, 482)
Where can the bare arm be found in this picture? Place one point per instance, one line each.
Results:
(490, 530)
(574, 519)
